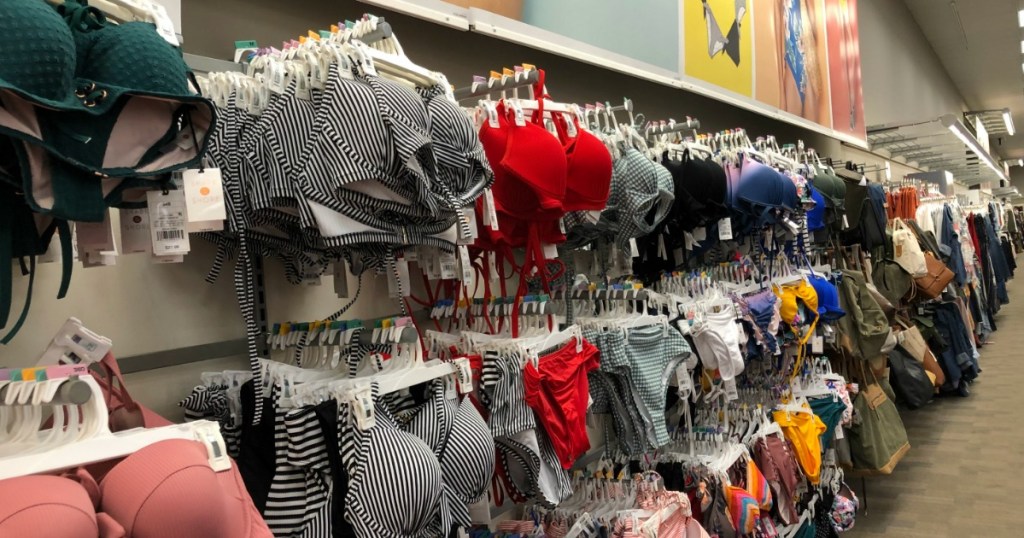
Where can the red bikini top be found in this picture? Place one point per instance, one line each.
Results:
(529, 165)
(589, 172)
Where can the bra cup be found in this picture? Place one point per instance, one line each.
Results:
(62, 504)
(411, 497)
(589, 174)
(168, 489)
(536, 161)
(152, 66)
(37, 50)
(468, 461)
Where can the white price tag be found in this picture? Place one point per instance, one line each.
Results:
(173, 258)
(731, 393)
(167, 222)
(550, 251)
(135, 234)
(683, 380)
(818, 345)
(700, 234)
(490, 210)
(634, 251)
(448, 265)
(846, 222)
(466, 265)
(662, 251)
(561, 226)
(95, 236)
(204, 200)
(725, 229)
(492, 116)
(570, 126)
(688, 240)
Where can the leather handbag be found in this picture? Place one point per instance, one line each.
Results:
(939, 276)
(913, 342)
(906, 250)
(909, 380)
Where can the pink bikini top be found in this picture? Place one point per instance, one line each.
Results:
(165, 490)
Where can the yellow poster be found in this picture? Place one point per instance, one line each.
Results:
(718, 44)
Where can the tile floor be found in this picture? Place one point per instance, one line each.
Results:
(957, 480)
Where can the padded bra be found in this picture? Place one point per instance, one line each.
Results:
(166, 489)
(395, 478)
(589, 169)
(464, 446)
(525, 156)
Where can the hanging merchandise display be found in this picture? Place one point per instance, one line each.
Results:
(605, 326)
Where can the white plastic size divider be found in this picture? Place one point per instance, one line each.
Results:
(430, 10)
(415, 376)
(117, 445)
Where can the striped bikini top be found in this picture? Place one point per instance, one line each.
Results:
(395, 479)
(464, 446)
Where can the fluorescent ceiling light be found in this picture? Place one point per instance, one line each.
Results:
(1020, 18)
(965, 136)
(1008, 120)
(1022, 47)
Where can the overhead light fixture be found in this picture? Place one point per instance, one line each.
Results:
(957, 128)
(1020, 18)
(1022, 47)
(1008, 120)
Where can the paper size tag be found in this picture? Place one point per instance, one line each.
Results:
(550, 251)
(725, 229)
(135, 233)
(448, 265)
(688, 240)
(731, 393)
(95, 236)
(846, 223)
(492, 116)
(662, 251)
(561, 226)
(634, 251)
(204, 200)
(818, 345)
(700, 234)
(683, 380)
(173, 258)
(167, 222)
(466, 265)
(490, 210)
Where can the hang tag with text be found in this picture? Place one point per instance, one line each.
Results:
(448, 264)
(204, 200)
(725, 229)
(731, 393)
(466, 265)
(135, 234)
(490, 210)
(700, 234)
(167, 222)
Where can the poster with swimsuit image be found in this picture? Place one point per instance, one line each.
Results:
(844, 67)
(717, 43)
(792, 58)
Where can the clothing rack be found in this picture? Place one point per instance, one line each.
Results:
(483, 87)
(672, 126)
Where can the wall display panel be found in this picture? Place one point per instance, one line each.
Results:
(717, 44)
(773, 57)
(843, 32)
(792, 60)
(643, 30)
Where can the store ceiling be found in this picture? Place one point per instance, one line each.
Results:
(983, 59)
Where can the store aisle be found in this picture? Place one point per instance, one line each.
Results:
(954, 482)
